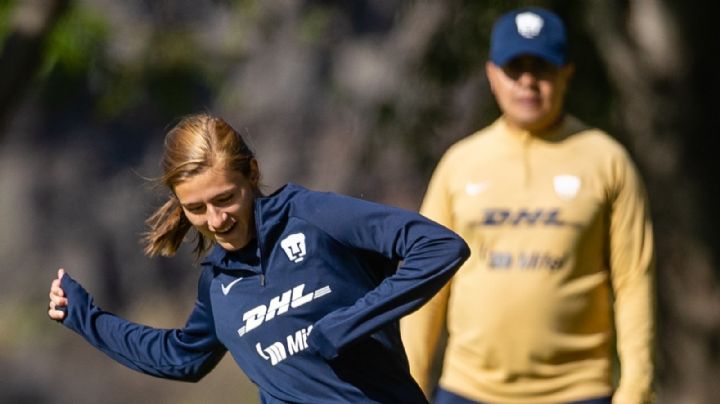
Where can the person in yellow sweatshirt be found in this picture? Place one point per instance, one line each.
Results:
(561, 277)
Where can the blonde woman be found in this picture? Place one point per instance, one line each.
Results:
(305, 289)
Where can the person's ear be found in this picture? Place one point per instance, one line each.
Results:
(254, 172)
(490, 71)
(568, 71)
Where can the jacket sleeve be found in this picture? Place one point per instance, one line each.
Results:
(632, 274)
(185, 354)
(429, 254)
(422, 330)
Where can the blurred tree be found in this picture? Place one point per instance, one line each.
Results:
(359, 97)
(663, 67)
(28, 25)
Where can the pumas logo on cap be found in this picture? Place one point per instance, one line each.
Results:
(528, 24)
(566, 186)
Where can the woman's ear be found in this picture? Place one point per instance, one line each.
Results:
(254, 173)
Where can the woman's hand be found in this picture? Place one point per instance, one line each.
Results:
(58, 300)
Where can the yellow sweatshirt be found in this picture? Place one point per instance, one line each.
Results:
(561, 266)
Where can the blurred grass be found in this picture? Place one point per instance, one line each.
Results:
(37, 352)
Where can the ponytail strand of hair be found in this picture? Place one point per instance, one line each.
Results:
(168, 228)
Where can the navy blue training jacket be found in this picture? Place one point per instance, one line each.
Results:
(309, 310)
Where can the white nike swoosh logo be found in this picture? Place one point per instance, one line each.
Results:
(226, 289)
(476, 188)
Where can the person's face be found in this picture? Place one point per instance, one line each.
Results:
(530, 91)
(219, 204)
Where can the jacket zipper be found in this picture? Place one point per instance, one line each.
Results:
(260, 246)
(526, 144)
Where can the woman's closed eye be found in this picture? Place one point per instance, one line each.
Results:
(223, 199)
(195, 209)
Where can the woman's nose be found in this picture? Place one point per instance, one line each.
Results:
(215, 218)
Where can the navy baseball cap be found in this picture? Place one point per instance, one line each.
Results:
(528, 31)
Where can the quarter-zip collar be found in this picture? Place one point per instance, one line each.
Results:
(246, 258)
(521, 143)
(566, 126)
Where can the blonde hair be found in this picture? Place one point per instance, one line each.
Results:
(196, 143)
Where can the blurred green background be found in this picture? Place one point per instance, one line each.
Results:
(358, 97)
